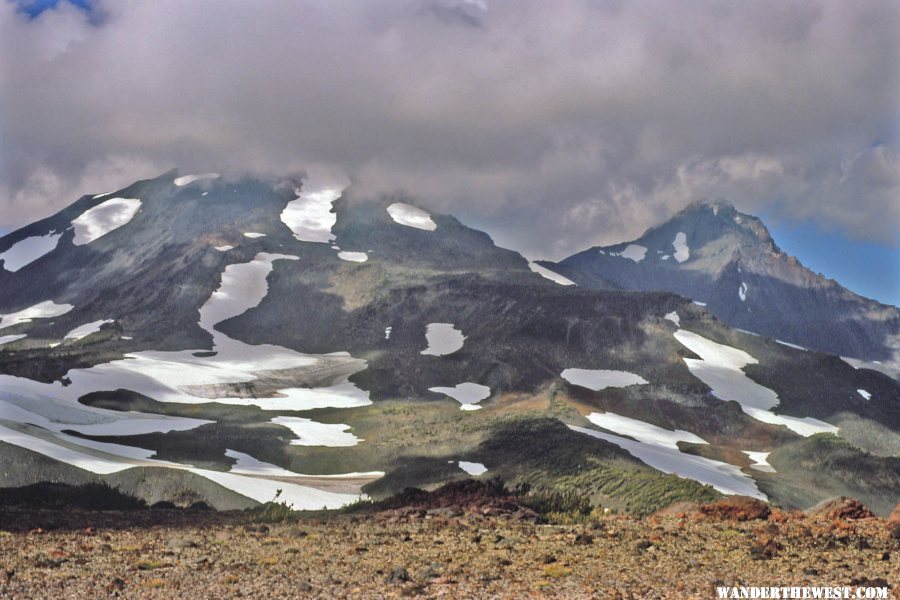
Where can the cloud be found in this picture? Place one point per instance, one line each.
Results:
(552, 125)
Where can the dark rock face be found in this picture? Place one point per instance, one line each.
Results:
(729, 262)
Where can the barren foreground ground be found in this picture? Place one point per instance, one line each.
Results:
(447, 552)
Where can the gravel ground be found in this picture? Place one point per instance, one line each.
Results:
(437, 553)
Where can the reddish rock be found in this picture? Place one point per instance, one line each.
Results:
(894, 517)
(841, 508)
(736, 508)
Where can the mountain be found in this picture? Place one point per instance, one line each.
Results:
(233, 341)
(728, 262)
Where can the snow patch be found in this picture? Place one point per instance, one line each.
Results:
(633, 252)
(673, 316)
(187, 179)
(104, 218)
(472, 468)
(443, 339)
(353, 256)
(598, 379)
(467, 394)
(658, 448)
(6, 339)
(742, 292)
(861, 392)
(411, 216)
(311, 433)
(42, 310)
(790, 345)
(682, 252)
(310, 217)
(387, 332)
(25, 252)
(87, 329)
(760, 461)
(545, 272)
(253, 234)
(224, 248)
(698, 303)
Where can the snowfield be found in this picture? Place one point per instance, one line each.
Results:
(25, 252)
(42, 310)
(720, 367)
(310, 217)
(411, 216)
(467, 394)
(598, 379)
(443, 339)
(87, 329)
(188, 179)
(104, 218)
(545, 272)
(682, 252)
(472, 468)
(658, 448)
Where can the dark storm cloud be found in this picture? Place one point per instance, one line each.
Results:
(560, 123)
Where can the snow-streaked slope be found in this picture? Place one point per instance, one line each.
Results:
(411, 216)
(720, 367)
(87, 329)
(188, 179)
(107, 216)
(443, 339)
(598, 379)
(658, 448)
(467, 394)
(25, 252)
(43, 310)
(545, 272)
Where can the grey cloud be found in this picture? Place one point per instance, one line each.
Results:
(554, 125)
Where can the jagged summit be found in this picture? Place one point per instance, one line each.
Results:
(728, 260)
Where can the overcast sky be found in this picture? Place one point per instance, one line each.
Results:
(554, 125)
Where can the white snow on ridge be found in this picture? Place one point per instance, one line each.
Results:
(634, 251)
(790, 345)
(467, 394)
(699, 303)
(720, 367)
(411, 216)
(353, 256)
(673, 316)
(87, 329)
(760, 461)
(187, 179)
(107, 216)
(472, 468)
(658, 448)
(598, 379)
(864, 394)
(6, 339)
(25, 252)
(545, 272)
(443, 339)
(311, 433)
(682, 252)
(42, 310)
